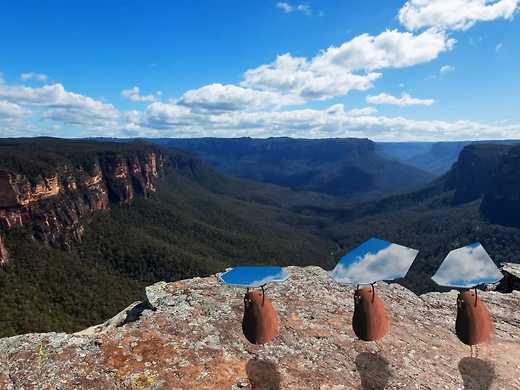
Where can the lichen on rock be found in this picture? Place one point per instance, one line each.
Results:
(188, 334)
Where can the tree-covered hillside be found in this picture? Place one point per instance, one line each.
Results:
(200, 222)
(196, 224)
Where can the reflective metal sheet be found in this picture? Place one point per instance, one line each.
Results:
(467, 267)
(253, 276)
(372, 261)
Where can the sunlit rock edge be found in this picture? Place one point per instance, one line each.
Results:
(187, 334)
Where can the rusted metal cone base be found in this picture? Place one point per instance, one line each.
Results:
(473, 325)
(370, 321)
(260, 322)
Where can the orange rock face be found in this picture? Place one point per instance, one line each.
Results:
(473, 325)
(260, 322)
(370, 321)
(4, 256)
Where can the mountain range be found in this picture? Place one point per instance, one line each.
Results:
(343, 167)
(86, 224)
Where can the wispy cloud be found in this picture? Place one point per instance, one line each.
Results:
(444, 70)
(34, 76)
(362, 111)
(404, 100)
(288, 8)
(498, 47)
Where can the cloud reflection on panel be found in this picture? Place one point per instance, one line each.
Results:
(372, 261)
(467, 267)
(253, 276)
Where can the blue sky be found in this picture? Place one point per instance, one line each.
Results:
(392, 70)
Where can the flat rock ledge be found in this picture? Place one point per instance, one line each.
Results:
(188, 335)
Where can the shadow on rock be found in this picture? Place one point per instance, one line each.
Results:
(373, 370)
(263, 374)
(477, 374)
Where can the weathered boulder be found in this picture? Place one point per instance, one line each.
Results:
(511, 280)
(188, 335)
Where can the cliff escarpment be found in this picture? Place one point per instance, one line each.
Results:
(475, 170)
(50, 186)
(501, 204)
(188, 335)
(490, 172)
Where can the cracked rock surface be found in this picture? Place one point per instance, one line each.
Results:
(188, 335)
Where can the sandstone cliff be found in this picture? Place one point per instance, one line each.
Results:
(501, 203)
(187, 335)
(4, 256)
(473, 173)
(54, 202)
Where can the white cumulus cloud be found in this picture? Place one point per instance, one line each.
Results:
(134, 95)
(338, 70)
(218, 97)
(454, 14)
(12, 111)
(61, 105)
(362, 111)
(173, 120)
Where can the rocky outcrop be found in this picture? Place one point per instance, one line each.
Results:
(511, 280)
(188, 335)
(54, 205)
(17, 190)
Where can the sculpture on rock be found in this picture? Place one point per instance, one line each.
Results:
(473, 324)
(260, 321)
(373, 261)
(370, 321)
(466, 268)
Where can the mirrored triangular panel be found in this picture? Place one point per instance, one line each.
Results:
(373, 261)
(253, 276)
(467, 267)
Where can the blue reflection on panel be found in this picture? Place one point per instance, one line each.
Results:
(253, 276)
(372, 261)
(467, 267)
